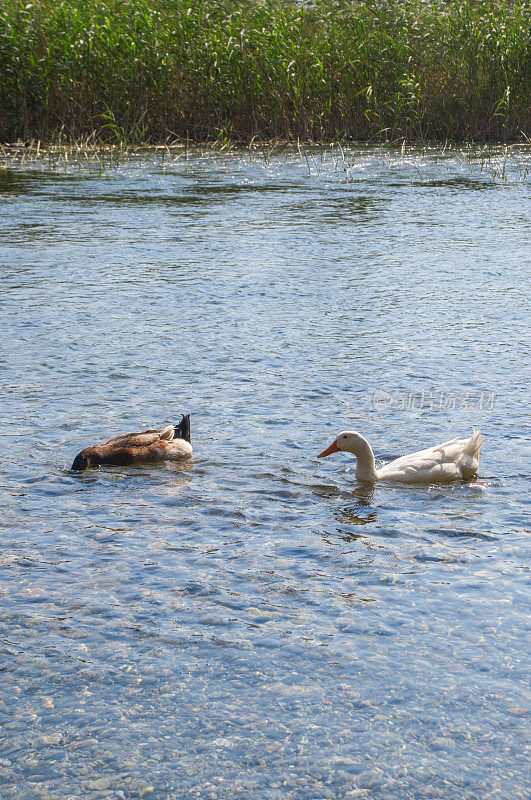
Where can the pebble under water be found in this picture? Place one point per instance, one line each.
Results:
(256, 623)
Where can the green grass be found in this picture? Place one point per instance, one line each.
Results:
(156, 70)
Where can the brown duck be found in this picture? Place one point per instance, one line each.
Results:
(171, 443)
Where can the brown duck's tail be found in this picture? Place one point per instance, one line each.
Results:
(182, 430)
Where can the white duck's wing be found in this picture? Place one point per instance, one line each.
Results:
(453, 460)
(422, 458)
(463, 452)
(425, 469)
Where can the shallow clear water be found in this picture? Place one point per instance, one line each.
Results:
(257, 624)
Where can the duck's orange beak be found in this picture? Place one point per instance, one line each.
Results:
(329, 450)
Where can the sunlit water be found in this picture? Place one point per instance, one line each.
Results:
(257, 624)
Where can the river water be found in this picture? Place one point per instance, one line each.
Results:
(256, 624)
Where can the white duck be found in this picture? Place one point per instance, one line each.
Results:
(455, 460)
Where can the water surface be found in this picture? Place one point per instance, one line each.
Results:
(257, 624)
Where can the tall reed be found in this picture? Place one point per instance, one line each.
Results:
(150, 70)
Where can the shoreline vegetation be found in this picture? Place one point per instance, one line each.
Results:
(233, 71)
(486, 162)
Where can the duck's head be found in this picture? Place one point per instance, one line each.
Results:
(351, 441)
(84, 460)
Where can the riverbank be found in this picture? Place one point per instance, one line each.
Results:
(159, 70)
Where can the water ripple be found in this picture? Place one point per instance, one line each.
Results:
(257, 623)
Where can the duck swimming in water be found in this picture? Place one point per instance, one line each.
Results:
(454, 460)
(171, 443)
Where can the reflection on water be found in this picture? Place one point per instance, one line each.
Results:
(257, 623)
(352, 516)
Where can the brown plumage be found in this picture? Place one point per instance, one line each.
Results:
(172, 442)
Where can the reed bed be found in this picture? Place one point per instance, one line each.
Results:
(134, 71)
